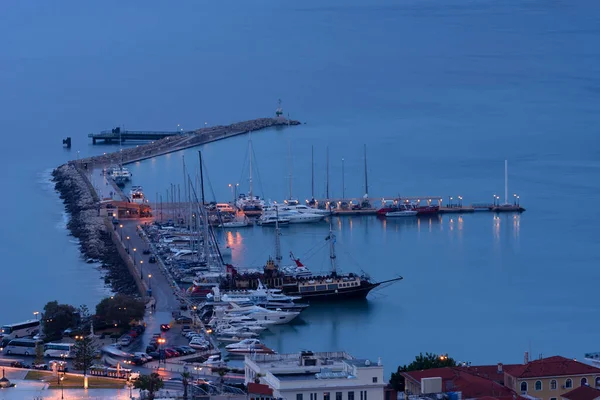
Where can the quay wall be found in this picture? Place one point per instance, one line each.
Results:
(175, 143)
(85, 223)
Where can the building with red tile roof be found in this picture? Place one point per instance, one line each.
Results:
(457, 379)
(551, 377)
(582, 393)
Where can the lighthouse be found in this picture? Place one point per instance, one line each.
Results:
(279, 111)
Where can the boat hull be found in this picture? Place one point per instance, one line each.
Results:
(352, 293)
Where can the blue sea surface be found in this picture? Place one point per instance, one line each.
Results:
(441, 92)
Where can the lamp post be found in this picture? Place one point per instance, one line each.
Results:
(150, 281)
(161, 341)
(343, 181)
(62, 391)
(36, 313)
(128, 244)
(121, 232)
(518, 202)
(134, 250)
(515, 199)
(141, 271)
(232, 195)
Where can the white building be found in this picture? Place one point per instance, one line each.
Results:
(317, 376)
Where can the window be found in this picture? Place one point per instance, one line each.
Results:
(365, 395)
(350, 395)
(568, 383)
(326, 396)
(538, 385)
(374, 379)
(338, 395)
(553, 384)
(584, 382)
(598, 382)
(552, 398)
(361, 395)
(524, 387)
(299, 396)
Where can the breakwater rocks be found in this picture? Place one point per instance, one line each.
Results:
(175, 143)
(86, 225)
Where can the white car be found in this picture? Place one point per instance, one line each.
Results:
(143, 356)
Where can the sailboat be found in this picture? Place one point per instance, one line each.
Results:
(250, 204)
(331, 287)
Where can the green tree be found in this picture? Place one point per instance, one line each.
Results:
(84, 349)
(185, 379)
(120, 309)
(421, 362)
(39, 354)
(151, 383)
(57, 318)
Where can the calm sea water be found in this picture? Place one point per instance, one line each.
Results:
(440, 91)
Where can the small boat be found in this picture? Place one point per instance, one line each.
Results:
(136, 195)
(234, 224)
(401, 213)
(243, 343)
(252, 349)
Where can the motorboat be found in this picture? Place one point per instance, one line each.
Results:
(225, 251)
(401, 213)
(252, 349)
(235, 224)
(136, 195)
(301, 208)
(260, 313)
(243, 343)
(289, 213)
(239, 332)
(272, 220)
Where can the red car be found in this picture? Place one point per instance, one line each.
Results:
(174, 352)
(169, 353)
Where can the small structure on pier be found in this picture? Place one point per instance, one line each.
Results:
(279, 111)
(117, 135)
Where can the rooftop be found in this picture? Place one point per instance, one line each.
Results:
(362, 363)
(293, 359)
(490, 372)
(458, 380)
(550, 366)
(582, 393)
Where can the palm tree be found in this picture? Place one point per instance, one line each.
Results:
(152, 383)
(186, 376)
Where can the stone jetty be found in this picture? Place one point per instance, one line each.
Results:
(83, 205)
(86, 225)
(176, 143)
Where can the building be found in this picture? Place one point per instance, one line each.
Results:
(453, 380)
(582, 393)
(550, 378)
(317, 376)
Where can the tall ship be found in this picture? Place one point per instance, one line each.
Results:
(333, 286)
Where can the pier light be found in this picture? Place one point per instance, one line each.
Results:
(134, 250)
(150, 281)
(141, 271)
(36, 313)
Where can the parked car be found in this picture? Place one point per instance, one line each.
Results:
(40, 366)
(183, 320)
(177, 354)
(152, 259)
(154, 354)
(188, 349)
(169, 353)
(19, 364)
(150, 348)
(145, 356)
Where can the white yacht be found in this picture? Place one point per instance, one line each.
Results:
(136, 195)
(243, 343)
(120, 175)
(260, 313)
(288, 212)
(271, 220)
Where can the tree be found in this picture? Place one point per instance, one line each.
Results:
(152, 383)
(39, 354)
(57, 318)
(84, 349)
(120, 309)
(185, 377)
(421, 362)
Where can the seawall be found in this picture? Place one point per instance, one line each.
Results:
(176, 143)
(81, 202)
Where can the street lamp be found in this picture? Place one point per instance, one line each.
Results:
(36, 313)
(121, 232)
(62, 391)
(515, 199)
(134, 249)
(141, 271)
(150, 281)
(161, 341)
(127, 244)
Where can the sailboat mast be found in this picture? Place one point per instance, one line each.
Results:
(366, 181)
(201, 178)
(312, 171)
(278, 257)
(505, 181)
(332, 255)
(250, 179)
(327, 176)
(290, 157)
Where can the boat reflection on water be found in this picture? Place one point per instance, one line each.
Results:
(420, 222)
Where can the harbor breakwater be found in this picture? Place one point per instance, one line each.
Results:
(176, 143)
(85, 224)
(83, 203)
